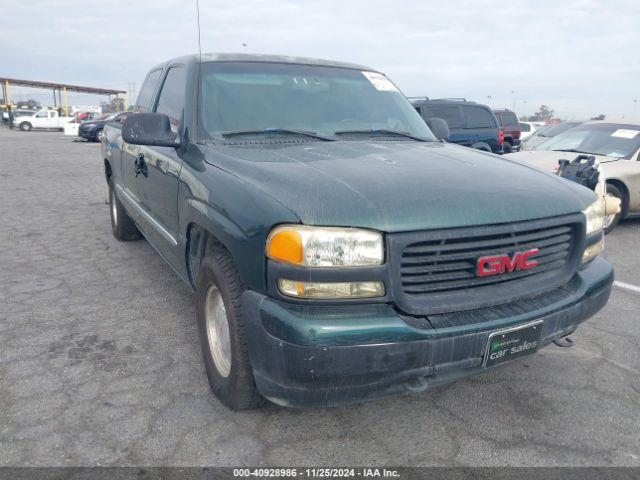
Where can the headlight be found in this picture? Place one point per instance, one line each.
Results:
(325, 246)
(592, 251)
(595, 216)
(89, 125)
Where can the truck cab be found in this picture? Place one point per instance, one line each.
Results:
(337, 248)
(471, 124)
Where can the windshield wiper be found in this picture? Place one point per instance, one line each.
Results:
(573, 150)
(380, 131)
(286, 131)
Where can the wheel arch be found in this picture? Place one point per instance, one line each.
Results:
(108, 171)
(625, 193)
(204, 232)
(485, 147)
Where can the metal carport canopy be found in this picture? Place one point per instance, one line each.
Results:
(60, 86)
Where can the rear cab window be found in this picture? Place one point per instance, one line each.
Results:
(509, 119)
(478, 117)
(145, 97)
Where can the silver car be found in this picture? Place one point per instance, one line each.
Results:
(616, 146)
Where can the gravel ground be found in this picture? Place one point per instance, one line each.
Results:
(100, 362)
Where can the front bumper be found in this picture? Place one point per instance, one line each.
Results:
(307, 356)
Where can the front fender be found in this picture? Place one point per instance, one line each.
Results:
(236, 213)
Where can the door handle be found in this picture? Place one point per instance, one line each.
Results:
(140, 166)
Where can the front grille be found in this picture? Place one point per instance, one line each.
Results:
(450, 264)
(434, 271)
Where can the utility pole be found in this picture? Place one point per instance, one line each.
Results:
(132, 92)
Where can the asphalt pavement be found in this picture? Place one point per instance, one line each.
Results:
(100, 362)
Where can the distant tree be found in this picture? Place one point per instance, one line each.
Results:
(33, 103)
(602, 116)
(543, 114)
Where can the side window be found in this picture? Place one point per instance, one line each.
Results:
(525, 127)
(143, 104)
(478, 117)
(449, 114)
(171, 100)
(42, 115)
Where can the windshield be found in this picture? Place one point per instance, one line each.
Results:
(253, 96)
(554, 130)
(610, 139)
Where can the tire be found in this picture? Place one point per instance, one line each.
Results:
(224, 348)
(97, 137)
(123, 228)
(611, 221)
(506, 147)
(25, 126)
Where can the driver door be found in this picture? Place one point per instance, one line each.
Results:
(158, 187)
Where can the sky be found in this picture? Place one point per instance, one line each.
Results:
(580, 57)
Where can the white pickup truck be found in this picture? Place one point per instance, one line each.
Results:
(41, 119)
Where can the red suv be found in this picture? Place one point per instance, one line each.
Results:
(510, 125)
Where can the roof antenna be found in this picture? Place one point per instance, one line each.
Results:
(198, 15)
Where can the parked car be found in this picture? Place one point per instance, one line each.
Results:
(616, 146)
(470, 124)
(510, 125)
(338, 249)
(545, 133)
(92, 130)
(49, 119)
(528, 128)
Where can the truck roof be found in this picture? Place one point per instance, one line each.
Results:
(248, 57)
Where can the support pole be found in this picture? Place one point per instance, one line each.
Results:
(66, 102)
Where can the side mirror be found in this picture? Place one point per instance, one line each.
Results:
(149, 129)
(439, 128)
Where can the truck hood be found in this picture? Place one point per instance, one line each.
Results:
(399, 186)
(547, 160)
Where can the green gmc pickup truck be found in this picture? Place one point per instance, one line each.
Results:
(339, 249)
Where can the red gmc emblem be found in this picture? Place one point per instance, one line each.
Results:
(497, 264)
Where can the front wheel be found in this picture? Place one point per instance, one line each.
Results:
(25, 126)
(98, 135)
(223, 336)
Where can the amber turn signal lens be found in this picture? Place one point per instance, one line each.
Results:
(285, 246)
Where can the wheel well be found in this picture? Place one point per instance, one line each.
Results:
(107, 170)
(200, 242)
(625, 194)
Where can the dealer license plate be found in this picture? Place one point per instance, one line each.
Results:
(512, 343)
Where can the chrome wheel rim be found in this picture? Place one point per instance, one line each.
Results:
(608, 220)
(218, 331)
(114, 208)
(100, 135)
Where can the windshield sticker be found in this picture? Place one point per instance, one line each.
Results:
(380, 82)
(624, 133)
